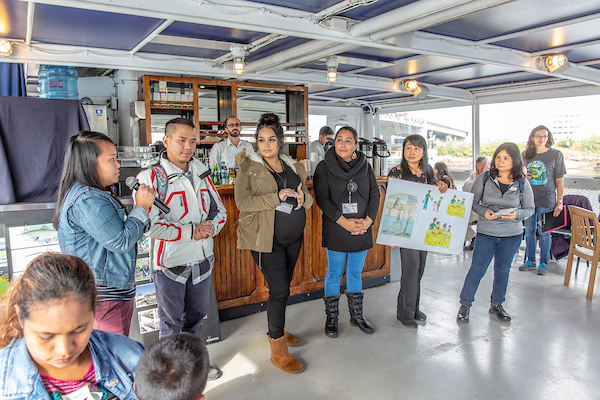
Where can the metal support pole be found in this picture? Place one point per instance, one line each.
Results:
(476, 136)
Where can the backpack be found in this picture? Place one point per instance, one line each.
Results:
(162, 179)
(486, 175)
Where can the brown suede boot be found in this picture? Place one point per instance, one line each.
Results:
(292, 340)
(282, 359)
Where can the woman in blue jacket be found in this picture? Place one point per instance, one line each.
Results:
(93, 225)
(48, 346)
(503, 199)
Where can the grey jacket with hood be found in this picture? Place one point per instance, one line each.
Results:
(494, 200)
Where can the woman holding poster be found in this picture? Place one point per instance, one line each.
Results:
(347, 193)
(413, 167)
(503, 198)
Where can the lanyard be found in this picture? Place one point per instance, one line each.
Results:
(352, 187)
(277, 174)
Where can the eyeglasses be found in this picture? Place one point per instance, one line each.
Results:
(234, 125)
(540, 137)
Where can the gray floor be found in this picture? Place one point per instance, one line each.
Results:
(551, 349)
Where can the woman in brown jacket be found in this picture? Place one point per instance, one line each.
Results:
(271, 194)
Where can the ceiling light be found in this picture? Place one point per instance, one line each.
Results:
(557, 63)
(332, 65)
(5, 48)
(411, 85)
(202, 86)
(239, 54)
(418, 89)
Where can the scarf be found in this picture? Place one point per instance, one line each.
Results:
(356, 168)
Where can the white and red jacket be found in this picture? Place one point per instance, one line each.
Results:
(190, 205)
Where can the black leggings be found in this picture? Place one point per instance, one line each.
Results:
(278, 269)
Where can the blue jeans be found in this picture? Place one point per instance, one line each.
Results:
(531, 224)
(335, 269)
(503, 250)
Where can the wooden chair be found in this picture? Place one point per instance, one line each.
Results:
(584, 229)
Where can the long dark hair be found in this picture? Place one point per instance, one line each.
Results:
(271, 121)
(49, 277)
(530, 151)
(516, 172)
(419, 141)
(80, 165)
(442, 169)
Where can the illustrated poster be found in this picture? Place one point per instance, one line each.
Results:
(417, 216)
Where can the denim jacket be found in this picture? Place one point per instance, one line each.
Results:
(93, 226)
(114, 356)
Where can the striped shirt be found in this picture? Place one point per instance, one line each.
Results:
(109, 293)
(57, 389)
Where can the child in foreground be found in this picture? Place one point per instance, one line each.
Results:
(175, 368)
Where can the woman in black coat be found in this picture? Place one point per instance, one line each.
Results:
(347, 193)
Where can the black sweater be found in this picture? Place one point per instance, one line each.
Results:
(331, 191)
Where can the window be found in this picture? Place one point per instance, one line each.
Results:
(447, 132)
(574, 123)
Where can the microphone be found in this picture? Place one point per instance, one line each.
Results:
(133, 184)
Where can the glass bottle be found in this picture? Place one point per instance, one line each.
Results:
(216, 176)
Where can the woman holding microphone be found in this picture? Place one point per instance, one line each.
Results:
(94, 225)
(272, 197)
(347, 193)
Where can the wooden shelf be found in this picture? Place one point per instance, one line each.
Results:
(171, 108)
(296, 111)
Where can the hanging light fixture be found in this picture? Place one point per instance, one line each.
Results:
(239, 54)
(419, 90)
(5, 48)
(332, 65)
(557, 63)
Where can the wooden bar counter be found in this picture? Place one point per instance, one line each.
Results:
(238, 281)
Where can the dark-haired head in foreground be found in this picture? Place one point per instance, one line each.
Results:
(175, 368)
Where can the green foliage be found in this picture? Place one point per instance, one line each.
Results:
(458, 149)
(591, 144)
(454, 149)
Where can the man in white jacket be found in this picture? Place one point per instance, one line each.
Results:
(183, 252)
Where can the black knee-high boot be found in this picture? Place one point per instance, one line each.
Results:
(355, 304)
(332, 310)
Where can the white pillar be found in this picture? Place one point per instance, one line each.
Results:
(476, 137)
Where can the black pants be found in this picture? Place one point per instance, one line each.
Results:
(278, 269)
(413, 266)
